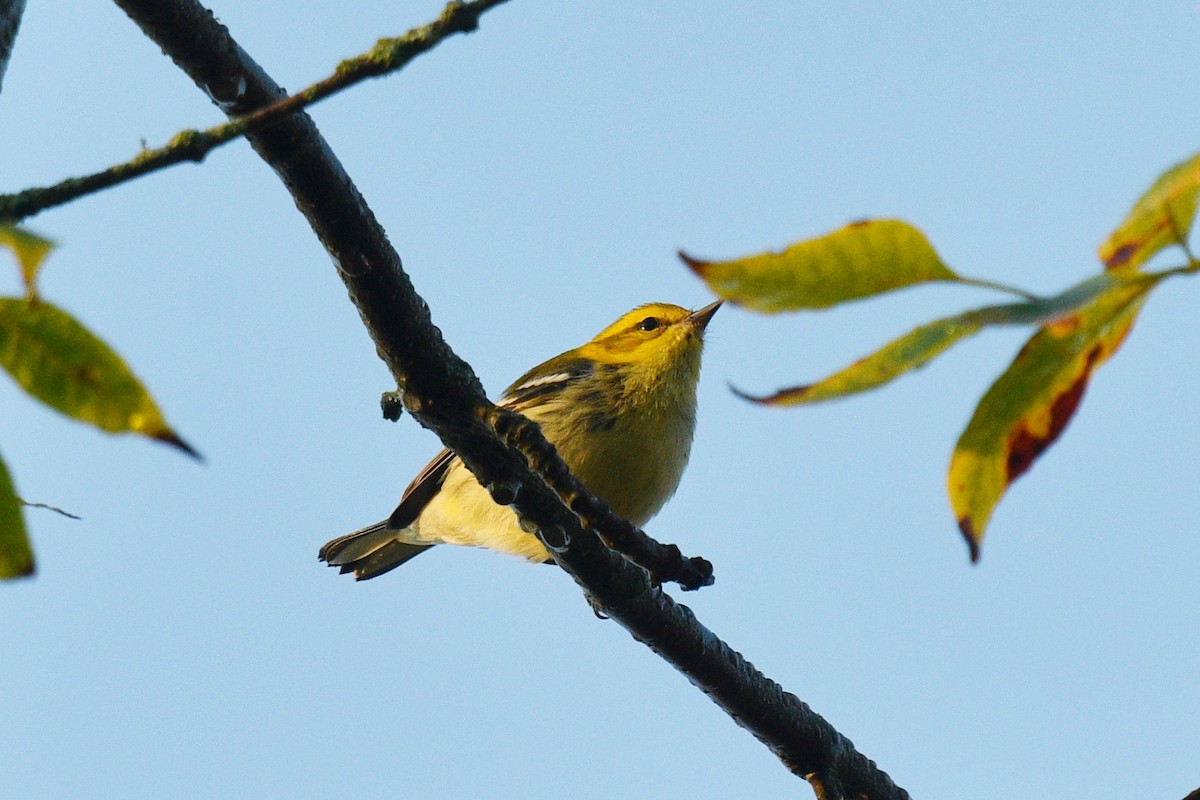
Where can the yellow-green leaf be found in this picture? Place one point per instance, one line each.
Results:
(1028, 406)
(30, 250)
(1161, 217)
(16, 557)
(918, 347)
(860, 260)
(909, 352)
(58, 361)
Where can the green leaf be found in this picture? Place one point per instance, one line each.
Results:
(30, 250)
(860, 260)
(1162, 216)
(1028, 407)
(918, 347)
(909, 352)
(16, 557)
(58, 361)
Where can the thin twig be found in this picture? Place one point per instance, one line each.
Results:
(387, 56)
(46, 507)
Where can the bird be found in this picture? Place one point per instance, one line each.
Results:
(621, 411)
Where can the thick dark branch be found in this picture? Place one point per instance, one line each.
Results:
(10, 20)
(664, 561)
(443, 393)
(440, 390)
(388, 55)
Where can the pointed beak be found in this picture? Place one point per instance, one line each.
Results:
(700, 318)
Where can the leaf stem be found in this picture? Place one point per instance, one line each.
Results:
(1000, 287)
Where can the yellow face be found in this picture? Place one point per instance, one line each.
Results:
(649, 334)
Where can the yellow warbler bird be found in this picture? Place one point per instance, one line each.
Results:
(621, 410)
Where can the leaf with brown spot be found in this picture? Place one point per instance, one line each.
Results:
(1162, 216)
(859, 260)
(1028, 407)
(919, 346)
(30, 249)
(16, 557)
(58, 361)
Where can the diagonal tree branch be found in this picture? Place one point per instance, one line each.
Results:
(388, 55)
(442, 392)
(10, 20)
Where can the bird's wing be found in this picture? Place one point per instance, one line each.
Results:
(536, 386)
(421, 491)
(532, 387)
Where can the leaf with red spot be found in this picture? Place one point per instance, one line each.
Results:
(16, 557)
(1028, 407)
(60, 362)
(919, 346)
(1161, 217)
(859, 260)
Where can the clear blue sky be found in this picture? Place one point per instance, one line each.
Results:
(537, 178)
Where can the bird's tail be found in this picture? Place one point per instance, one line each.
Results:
(369, 552)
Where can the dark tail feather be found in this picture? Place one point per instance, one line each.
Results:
(385, 559)
(369, 552)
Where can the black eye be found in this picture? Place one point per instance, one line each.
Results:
(648, 324)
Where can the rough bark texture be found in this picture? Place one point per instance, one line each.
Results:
(442, 392)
